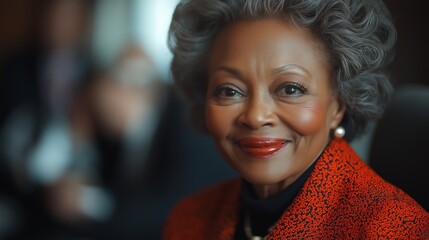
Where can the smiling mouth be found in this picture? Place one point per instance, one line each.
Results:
(261, 147)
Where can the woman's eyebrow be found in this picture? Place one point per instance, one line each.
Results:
(230, 70)
(290, 67)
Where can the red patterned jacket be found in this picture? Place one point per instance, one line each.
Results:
(342, 199)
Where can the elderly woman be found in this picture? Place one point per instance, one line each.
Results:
(277, 84)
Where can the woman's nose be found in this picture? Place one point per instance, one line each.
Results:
(258, 112)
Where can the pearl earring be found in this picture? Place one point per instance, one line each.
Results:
(339, 132)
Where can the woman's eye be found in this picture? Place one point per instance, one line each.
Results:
(291, 90)
(227, 92)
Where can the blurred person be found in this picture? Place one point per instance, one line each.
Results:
(125, 104)
(38, 88)
(65, 37)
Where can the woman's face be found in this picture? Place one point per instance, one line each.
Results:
(270, 106)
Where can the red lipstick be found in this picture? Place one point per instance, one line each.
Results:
(261, 147)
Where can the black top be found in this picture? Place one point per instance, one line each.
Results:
(266, 212)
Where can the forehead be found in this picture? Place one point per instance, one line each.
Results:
(268, 40)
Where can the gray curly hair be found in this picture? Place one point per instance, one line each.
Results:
(358, 35)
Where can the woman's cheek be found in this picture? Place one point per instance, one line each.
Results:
(216, 120)
(305, 120)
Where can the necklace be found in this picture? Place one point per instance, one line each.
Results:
(248, 229)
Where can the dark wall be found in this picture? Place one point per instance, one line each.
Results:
(17, 20)
(411, 64)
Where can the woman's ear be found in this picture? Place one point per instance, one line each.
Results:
(338, 113)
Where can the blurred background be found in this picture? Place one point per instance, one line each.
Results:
(95, 141)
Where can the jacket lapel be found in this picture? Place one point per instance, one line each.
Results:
(320, 196)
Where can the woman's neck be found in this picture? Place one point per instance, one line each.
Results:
(264, 191)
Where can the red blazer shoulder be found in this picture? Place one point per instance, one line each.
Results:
(345, 198)
(211, 212)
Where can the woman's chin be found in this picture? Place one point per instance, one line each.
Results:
(263, 177)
